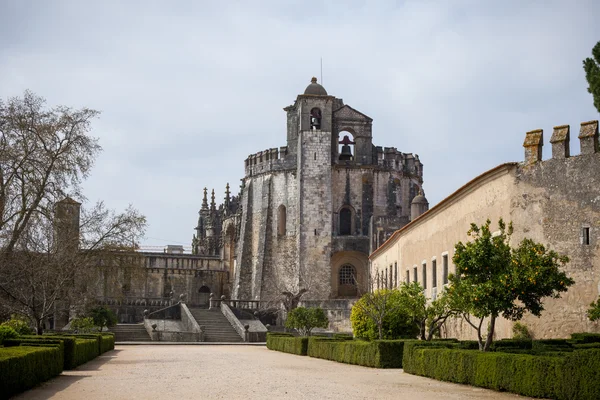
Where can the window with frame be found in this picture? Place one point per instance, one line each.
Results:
(424, 275)
(445, 268)
(345, 221)
(347, 275)
(434, 273)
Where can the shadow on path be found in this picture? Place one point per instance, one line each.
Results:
(56, 385)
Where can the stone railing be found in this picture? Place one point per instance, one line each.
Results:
(252, 305)
(173, 324)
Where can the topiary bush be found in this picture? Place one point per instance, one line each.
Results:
(306, 319)
(6, 332)
(22, 367)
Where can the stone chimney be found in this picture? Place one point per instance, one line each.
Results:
(588, 137)
(560, 142)
(534, 140)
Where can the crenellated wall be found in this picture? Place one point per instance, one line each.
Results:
(555, 202)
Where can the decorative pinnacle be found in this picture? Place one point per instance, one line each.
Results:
(205, 200)
(314, 80)
(212, 200)
(227, 193)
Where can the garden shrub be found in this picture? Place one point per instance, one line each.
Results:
(24, 367)
(19, 323)
(520, 331)
(397, 323)
(580, 375)
(378, 353)
(7, 332)
(287, 343)
(505, 344)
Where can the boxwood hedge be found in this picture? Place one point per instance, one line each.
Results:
(24, 367)
(574, 374)
(287, 343)
(377, 354)
(77, 351)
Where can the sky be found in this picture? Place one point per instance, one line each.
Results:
(188, 89)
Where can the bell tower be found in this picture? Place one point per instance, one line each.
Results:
(315, 112)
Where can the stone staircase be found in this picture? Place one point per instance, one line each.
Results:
(216, 326)
(130, 333)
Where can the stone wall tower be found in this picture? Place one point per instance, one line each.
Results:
(66, 224)
(315, 112)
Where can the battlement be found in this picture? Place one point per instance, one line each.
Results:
(267, 160)
(560, 140)
(390, 157)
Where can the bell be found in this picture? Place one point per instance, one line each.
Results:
(346, 153)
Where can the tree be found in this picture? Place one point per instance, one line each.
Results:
(594, 311)
(428, 316)
(103, 317)
(381, 315)
(493, 280)
(591, 66)
(45, 262)
(306, 319)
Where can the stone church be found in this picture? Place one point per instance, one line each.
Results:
(310, 212)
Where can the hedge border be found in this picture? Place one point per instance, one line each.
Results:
(24, 367)
(287, 343)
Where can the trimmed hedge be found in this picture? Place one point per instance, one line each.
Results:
(377, 354)
(77, 351)
(106, 341)
(586, 337)
(287, 343)
(24, 367)
(573, 375)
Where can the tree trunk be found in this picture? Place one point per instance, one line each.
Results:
(380, 327)
(490, 334)
(39, 326)
(422, 327)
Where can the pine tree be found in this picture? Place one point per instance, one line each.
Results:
(592, 74)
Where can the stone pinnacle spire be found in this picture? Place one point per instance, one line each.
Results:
(213, 206)
(205, 200)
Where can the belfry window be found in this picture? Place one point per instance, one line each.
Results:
(315, 119)
(345, 221)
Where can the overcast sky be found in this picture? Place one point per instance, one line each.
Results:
(188, 89)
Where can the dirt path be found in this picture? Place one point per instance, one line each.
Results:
(239, 372)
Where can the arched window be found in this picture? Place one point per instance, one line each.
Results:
(315, 119)
(347, 281)
(345, 221)
(281, 220)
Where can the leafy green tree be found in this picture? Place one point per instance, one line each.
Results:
(591, 67)
(428, 316)
(83, 324)
(19, 323)
(306, 319)
(382, 315)
(594, 311)
(103, 317)
(493, 280)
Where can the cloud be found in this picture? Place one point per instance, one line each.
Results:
(188, 90)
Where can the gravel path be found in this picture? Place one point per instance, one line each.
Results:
(239, 372)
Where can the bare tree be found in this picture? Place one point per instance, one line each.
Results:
(46, 259)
